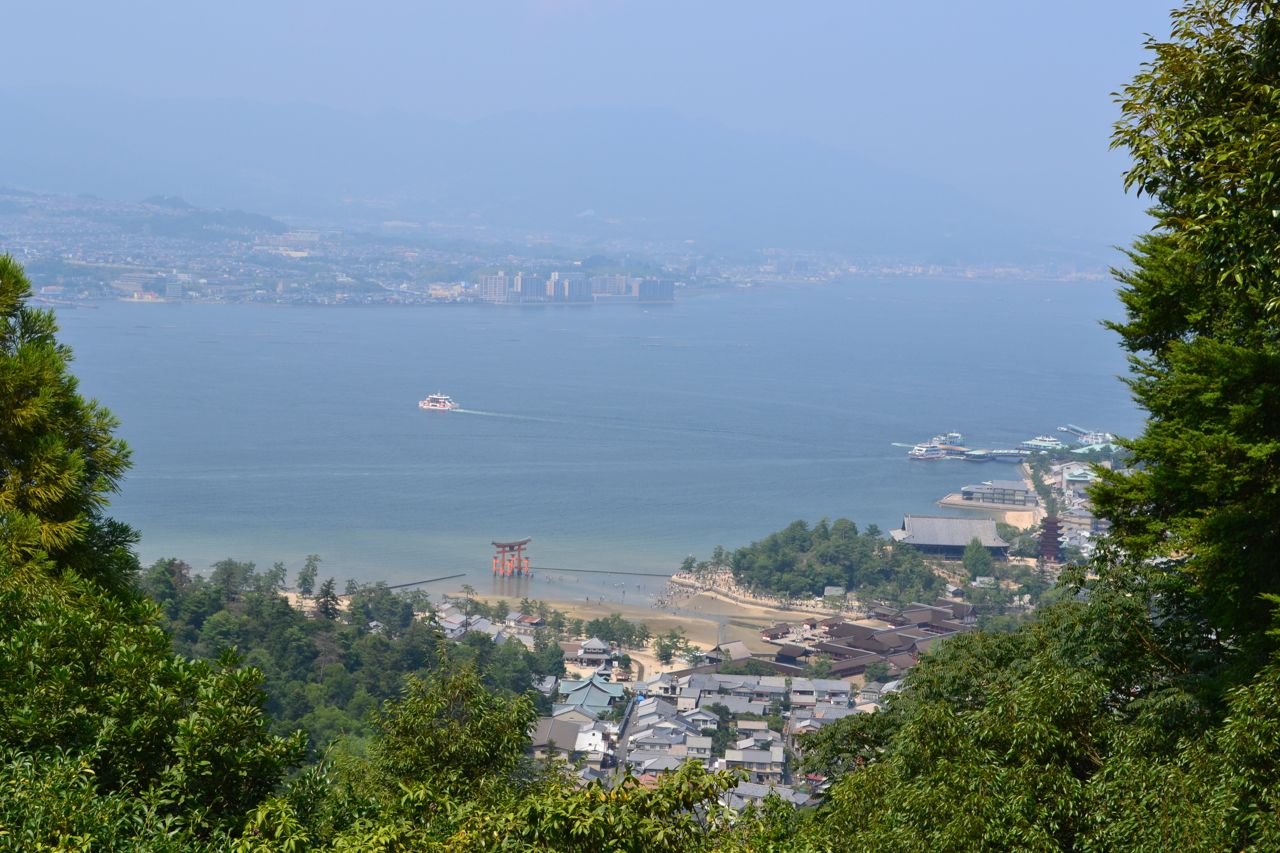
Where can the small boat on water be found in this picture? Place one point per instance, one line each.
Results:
(437, 403)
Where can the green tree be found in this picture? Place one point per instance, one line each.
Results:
(379, 603)
(307, 574)
(59, 460)
(231, 578)
(449, 731)
(327, 602)
(877, 670)
(977, 559)
(818, 667)
(557, 623)
(1202, 125)
(670, 644)
(274, 579)
(166, 581)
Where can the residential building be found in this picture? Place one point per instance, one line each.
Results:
(761, 765)
(492, 288)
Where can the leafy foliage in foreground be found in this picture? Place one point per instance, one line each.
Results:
(104, 732)
(58, 458)
(1082, 731)
(1203, 301)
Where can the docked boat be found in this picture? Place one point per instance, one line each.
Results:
(928, 450)
(437, 403)
(1043, 442)
(944, 446)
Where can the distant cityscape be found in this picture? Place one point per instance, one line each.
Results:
(82, 248)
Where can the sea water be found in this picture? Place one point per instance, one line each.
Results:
(620, 438)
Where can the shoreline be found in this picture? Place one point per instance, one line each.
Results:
(707, 617)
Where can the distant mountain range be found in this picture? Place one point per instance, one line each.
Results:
(632, 174)
(157, 216)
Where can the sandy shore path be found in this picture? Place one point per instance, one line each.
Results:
(705, 618)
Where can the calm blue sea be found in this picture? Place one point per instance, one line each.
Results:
(619, 438)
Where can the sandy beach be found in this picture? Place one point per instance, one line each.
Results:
(702, 616)
(706, 619)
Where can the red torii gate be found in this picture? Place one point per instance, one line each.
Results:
(510, 559)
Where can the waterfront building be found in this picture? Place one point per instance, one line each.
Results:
(611, 285)
(655, 290)
(1014, 492)
(568, 287)
(492, 288)
(532, 288)
(948, 537)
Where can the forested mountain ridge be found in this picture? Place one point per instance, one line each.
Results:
(1141, 713)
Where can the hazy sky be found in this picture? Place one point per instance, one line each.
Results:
(1007, 98)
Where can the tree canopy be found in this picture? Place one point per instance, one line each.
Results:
(104, 732)
(801, 560)
(1203, 326)
(59, 461)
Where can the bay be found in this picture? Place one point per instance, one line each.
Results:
(620, 438)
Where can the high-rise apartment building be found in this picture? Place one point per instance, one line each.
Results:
(492, 288)
(532, 288)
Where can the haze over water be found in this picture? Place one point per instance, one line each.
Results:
(619, 438)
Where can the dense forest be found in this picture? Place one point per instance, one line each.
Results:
(1141, 711)
(326, 675)
(801, 560)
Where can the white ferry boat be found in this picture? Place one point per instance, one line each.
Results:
(1042, 442)
(941, 446)
(928, 450)
(437, 403)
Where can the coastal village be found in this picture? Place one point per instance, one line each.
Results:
(778, 669)
(728, 707)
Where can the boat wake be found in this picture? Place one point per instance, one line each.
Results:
(511, 417)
